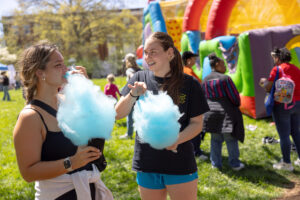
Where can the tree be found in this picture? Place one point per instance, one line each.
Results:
(79, 27)
(125, 30)
(6, 57)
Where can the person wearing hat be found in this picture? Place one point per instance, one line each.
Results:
(189, 60)
(131, 67)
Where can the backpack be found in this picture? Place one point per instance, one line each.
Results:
(284, 89)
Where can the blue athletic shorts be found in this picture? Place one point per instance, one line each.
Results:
(159, 181)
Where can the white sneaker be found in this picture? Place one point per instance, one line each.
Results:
(125, 136)
(202, 157)
(297, 162)
(239, 167)
(283, 166)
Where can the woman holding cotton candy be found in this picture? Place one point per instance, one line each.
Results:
(43, 153)
(171, 170)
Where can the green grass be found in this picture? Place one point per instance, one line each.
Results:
(257, 181)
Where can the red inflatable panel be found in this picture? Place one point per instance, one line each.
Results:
(192, 14)
(248, 106)
(218, 18)
(139, 51)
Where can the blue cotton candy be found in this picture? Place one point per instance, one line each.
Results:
(156, 120)
(84, 111)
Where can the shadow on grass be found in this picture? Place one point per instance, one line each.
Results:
(260, 174)
(270, 153)
(267, 119)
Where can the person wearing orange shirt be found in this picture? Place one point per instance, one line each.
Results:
(189, 59)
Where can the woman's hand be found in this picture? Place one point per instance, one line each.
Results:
(173, 147)
(80, 70)
(262, 82)
(267, 85)
(138, 88)
(84, 155)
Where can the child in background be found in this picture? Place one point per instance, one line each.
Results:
(111, 89)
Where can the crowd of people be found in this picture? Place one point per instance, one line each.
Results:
(47, 157)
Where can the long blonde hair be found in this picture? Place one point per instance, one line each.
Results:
(33, 58)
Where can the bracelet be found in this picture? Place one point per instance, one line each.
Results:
(133, 95)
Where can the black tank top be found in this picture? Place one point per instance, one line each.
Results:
(56, 146)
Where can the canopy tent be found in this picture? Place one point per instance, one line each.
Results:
(11, 72)
(3, 67)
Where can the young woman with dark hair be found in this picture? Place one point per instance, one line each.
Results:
(162, 172)
(287, 120)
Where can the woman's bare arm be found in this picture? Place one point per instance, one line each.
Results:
(124, 105)
(28, 140)
(194, 128)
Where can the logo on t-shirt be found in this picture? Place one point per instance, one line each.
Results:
(182, 98)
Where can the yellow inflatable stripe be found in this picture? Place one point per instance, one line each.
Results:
(294, 42)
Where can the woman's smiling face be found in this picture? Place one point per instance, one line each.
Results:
(156, 57)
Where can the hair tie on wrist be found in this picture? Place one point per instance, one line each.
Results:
(133, 95)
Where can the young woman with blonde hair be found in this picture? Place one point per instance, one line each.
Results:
(60, 169)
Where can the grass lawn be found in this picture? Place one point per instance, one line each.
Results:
(257, 181)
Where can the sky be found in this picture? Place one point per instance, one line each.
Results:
(7, 7)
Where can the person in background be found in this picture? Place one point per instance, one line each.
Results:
(110, 88)
(44, 154)
(131, 68)
(224, 120)
(189, 60)
(5, 83)
(18, 81)
(287, 120)
(172, 170)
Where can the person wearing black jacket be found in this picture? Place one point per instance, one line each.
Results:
(224, 120)
(5, 83)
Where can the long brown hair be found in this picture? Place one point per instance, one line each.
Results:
(173, 84)
(33, 58)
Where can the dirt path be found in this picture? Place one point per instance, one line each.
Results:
(292, 193)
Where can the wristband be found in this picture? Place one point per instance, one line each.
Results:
(133, 95)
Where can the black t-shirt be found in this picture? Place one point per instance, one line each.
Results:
(192, 103)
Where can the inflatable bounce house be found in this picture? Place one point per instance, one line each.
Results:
(242, 32)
